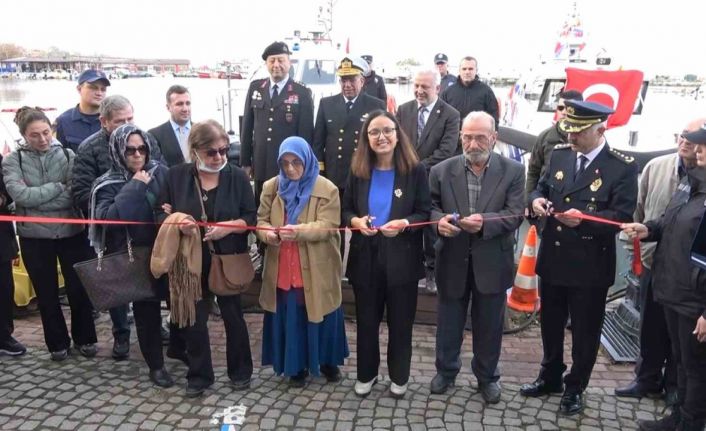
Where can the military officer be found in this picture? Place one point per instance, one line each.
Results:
(374, 84)
(275, 108)
(576, 259)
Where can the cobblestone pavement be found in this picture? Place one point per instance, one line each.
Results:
(102, 394)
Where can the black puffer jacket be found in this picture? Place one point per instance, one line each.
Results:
(476, 96)
(677, 283)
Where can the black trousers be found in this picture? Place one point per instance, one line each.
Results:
(39, 257)
(370, 304)
(7, 301)
(586, 305)
(655, 345)
(148, 321)
(690, 356)
(487, 314)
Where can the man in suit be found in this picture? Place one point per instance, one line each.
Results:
(173, 136)
(576, 259)
(432, 126)
(374, 84)
(275, 108)
(478, 201)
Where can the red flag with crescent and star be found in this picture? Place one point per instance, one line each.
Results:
(618, 89)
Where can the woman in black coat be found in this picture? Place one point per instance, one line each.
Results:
(225, 192)
(680, 287)
(387, 191)
(128, 191)
(8, 251)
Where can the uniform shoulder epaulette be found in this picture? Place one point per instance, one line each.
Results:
(562, 146)
(620, 156)
(300, 83)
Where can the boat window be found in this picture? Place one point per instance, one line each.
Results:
(318, 72)
(548, 98)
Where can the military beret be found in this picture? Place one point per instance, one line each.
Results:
(276, 48)
(697, 136)
(580, 115)
(350, 66)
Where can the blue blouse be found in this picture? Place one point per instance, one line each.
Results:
(380, 196)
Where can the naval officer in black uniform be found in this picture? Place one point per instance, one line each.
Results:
(576, 259)
(275, 108)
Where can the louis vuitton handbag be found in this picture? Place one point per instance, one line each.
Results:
(230, 274)
(117, 278)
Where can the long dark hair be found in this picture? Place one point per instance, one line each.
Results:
(404, 156)
(27, 115)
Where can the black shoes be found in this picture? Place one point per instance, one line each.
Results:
(490, 392)
(161, 378)
(299, 381)
(571, 404)
(12, 347)
(331, 372)
(636, 390)
(194, 391)
(87, 350)
(121, 349)
(540, 387)
(59, 355)
(667, 423)
(440, 384)
(240, 385)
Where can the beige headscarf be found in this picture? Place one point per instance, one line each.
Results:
(179, 255)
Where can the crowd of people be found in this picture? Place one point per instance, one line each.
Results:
(424, 196)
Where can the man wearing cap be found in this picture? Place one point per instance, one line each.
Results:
(81, 121)
(469, 93)
(576, 261)
(275, 108)
(374, 84)
(433, 127)
(447, 79)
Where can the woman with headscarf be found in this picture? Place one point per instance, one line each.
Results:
(299, 214)
(210, 190)
(387, 191)
(128, 191)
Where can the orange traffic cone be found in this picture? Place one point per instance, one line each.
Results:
(523, 296)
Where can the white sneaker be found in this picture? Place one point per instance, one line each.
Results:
(398, 391)
(363, 389)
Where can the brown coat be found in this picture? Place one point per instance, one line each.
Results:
(318, 249)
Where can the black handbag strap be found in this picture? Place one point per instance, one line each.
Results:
(204, 217)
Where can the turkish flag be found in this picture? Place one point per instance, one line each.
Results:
(617, 89)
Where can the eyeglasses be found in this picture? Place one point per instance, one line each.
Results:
(387, 131)
(221, 151)
(481, 139)
(131, 151)
(296, 164)
(560, 107)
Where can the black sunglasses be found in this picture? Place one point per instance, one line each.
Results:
(222, 151)
(131, 151)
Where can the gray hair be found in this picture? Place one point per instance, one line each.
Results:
(433, 73)
(480, 115)
(112, 104)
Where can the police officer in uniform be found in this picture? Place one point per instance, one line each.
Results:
(576, 259)
(374, 83)
(275, 108)
(447, 79)
(339, 121)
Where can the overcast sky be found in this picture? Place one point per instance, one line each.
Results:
(656, 37)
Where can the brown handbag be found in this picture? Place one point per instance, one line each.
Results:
(230, 274)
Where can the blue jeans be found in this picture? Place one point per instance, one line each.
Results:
(121, 327)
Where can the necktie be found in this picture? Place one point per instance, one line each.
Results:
(349, 105)
(583, 161)
(274, 91)
(420, 121)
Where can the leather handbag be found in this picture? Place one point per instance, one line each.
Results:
(230, 274)
(117, 278)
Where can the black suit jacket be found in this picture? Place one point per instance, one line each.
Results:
(168, 143)
(234, 200)
(336, 133)
(8, 240)
(584, 255)
(266, 123)
(402, 255)
(491, 249)
(439, 139)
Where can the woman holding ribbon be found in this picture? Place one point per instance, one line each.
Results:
(301, 284)
(387, 191)
(37, 176)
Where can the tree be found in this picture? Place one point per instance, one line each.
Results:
(10, 50)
